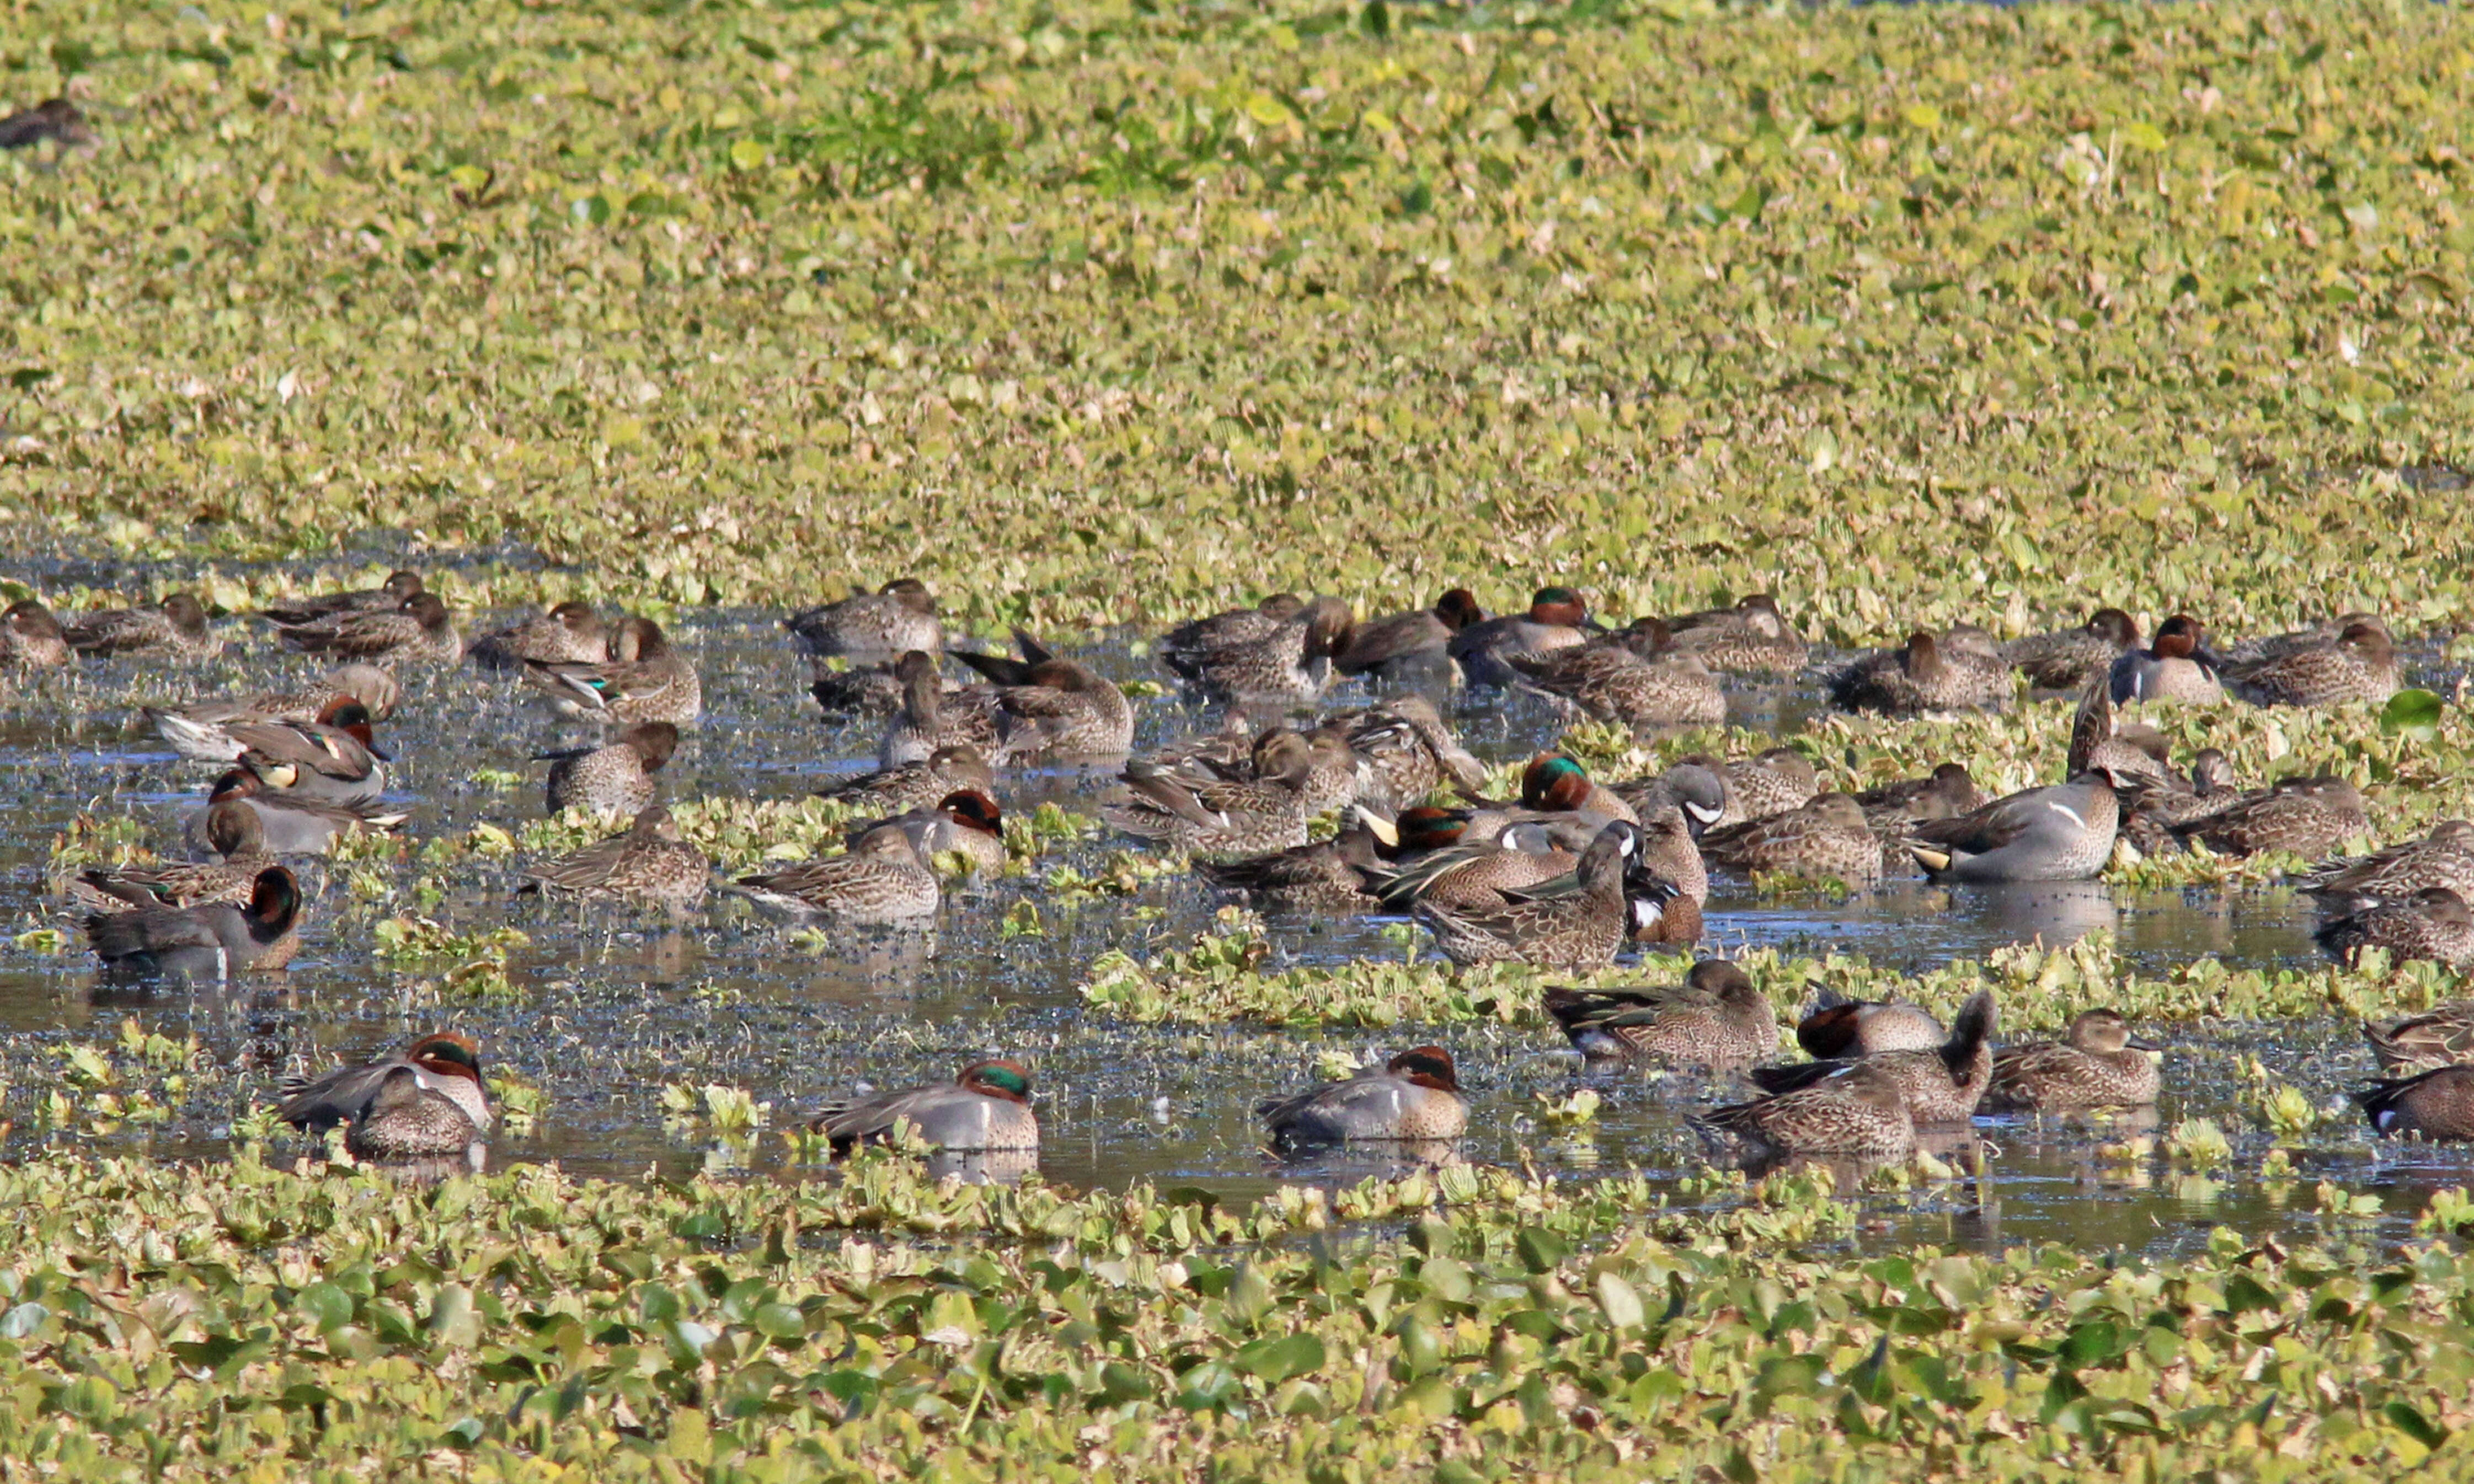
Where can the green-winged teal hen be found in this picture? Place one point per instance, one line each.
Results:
(1214, 816)
(2098, 1064)
(1838, 1027)
(614, 780)
(1946, 793)
(2308, 816)
(1325, 878)
(1412, 648)
(2431, 925)
(1290, 662)
(2101, 739)
(1857, 1112)
(648, 863)
(385, 597)
(1716, 1018)
(1942, 1085)
(1578, 931)
(1556, 618)
(1748, 637)
(1927, 675)
(2359, 665)
(570, 632)
(411, 1116)
(2151, 814)
(175, 628)
(1233, 626)
(1049, 707)
(2172, 667)
(1827, 837)
(218, 941)
(54, 119)
(2075, 657)
(644, 680)
(931, 717)
(419, 629)
(232, 832)
(1408, 751)
(1774, 783)
(2062, 832)
(987, 1106)
(31, 638)
(1612, 679)
(880, 880)
(448, 1062)
(2442, 1035)
(894, 620)
(965, 822)
(1415, 1099)
(916, 785)
(2438, 1104)
(2444, 857)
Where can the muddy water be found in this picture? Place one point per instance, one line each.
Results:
(612, 1007)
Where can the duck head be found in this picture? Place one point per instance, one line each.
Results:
(2104, 1033)
(273, 902)
(2113, 626)
(654, 821)
(971, 809)
(1458, 609)
(581, 619)
(1427, 827)
(2177, 637)
(1282, 756)
(912, 594)
(232, 828)
(1428, 1066)
(426, 610)
(347, 715)
(33, 620)
(1727, 980)
(1000, 1078)
(402, 582)
(2369, 642)
(1553, 782)
(1923, 655)
(1281, 607)
(187, 613)
(2212, 771)
(637, 640)
(1330, 623)
(447, 1054)
(653, 743)
(1560, 607)
(2443, 907)
(369, 686)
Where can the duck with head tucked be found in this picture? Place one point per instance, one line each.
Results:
(1941, 1084)
(1958, 671)
(1412, 648)
(986, 1106)
(614, 780)
(216, 940)
(2309, 816)
(419, 629)
(1047, 707)
(1556, 618)
(1631, 678)
(2433, 925)
(1290, 662)
(1415, 1097)
(878, 881)
(1857, 1110)
(2064, 832)
(1576, 931)
(386, 597)
(175, 628)
(1749, 635)
(2443, 857)
(650, 862)
(895, 619)
(1222, 816)
(2359, 665)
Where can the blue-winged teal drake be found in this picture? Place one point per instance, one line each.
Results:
(2437, 1106)
(1292, 663)
(174, 628)
(1412, 648)
(1716, 1018)
(1415, 1099)
(1408, 752)
(644, 680)
(290, 823)
(333, 759)
(1827, 837)
(1940, 1085)
(1750, 635)
(2308, 816)
(917, 785)
(931, 717)
(54, 119)
(648, 863)
(570, 633)
(1839, 1027)
(1628, 679)
(1774, 783)
(1556, 618)
(987, 1107)
(965, 822)
(2172, 667)
(1578, 931)
(1221, 816)
(2076, 658)
(448, 1062)
(614, 780)
(1051, 707)
(2439, 1037)
(895, 619)
(2431, 925)
(232, 831)
(2359, 665)
(2100, 1064)
(1696, 787)
(31, 638)
(420, 629)
(1857, 1111)
(2444, 857)
(1198, 637)
(1927, 675)
(2064, 832)
(385, 597)
(880, 880)
(1323, 878)
(217, 940)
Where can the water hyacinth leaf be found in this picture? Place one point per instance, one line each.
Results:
(2411, 713)
(2408, 1418)
(1275, 1360)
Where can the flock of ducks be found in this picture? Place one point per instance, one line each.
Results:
(1565, 876)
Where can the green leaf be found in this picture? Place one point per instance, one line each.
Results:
(2407, 1418)
(1274, 1360)
(2411, 713)
(1539, 1249)
(2145, 136)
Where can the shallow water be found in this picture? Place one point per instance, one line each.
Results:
(614, 1007)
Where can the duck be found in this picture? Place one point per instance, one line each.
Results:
(986, 1106)
(1233, 626)
(290, 823)
(1221, 816)
(2432, 925)
(1948, 673)
(916, 785)
(614, 780)
(2277, 646)
(1412, 648)
(334, 760)
(1716, 1018)
(2443, 857)
(1560, 799)
(847, 690)
(445, 1062)
(880, 880)
(56, 119)
(1415, 1099)
(927, 722)
(1628, 678)
(2174, 666)
(1826, 838)
(2100, 739)
(2437, 1105)
(196, 730)
(1840, 1028)
(2075, 657)
(31, 638)
(1774, 783)
(411, 1117)
(1290, 664)
(1696, 787)
(1940, 1085)
(1578, 931)
(2359, 665)
(1749, 635)
(418, 629)
(1408, 752)
(649, 862)
(239, 845)
(1049, 707)
(570, 632)
(2442, 1035)
(2097, 1065)
(218, 941)
(385, 597)
(175, 628)
(2152, 814)
(2062, 832)
(1947, 792)
(644, 680)
(1557, 618)
(2305, 815)
(1857, 1110)
(1467, 859)
(965, 822)
(1324, 878)
(894, 620)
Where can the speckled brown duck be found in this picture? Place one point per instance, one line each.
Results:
(2441, 1036)
(1051, 707)
(2438, 1106)
(1324, 878)
(1614, 680)
(173, 628)
(386, 597)
(1222, 816)
(895, 619)
(1716, 1018)
(648, 863)
(2098, 1064)
(1408, 752)
(1838, 1027)
(2361, 664)
(915, 786)
(2309, 816)
(644, 680)
(1940, 1085)
(570, 632)
(1773, 783)
(1290, 662)
(420, 629)
(1857, 1112)
(2075, 657)
(1415, 1097)
(1232, 626)
(1749, 636)
(1826, 838)
(232, 832)
(1927, 674)
(878, 881)
(2433, 925)
(1578, 931)
(31, 638)
(616, 779)
(2444, 857)
(931, 717)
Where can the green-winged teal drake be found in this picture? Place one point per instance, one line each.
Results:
(31, 638)
(649, 862)
(2444, 857)
(1716, 1018)
(1827, 837)
(1292, 663)
(2438, 1106)
(1774, 783)
(1556, 618)
(614, 780)
(1857, 1111)
(1749, 636)
(1051, 707)
(232, 832)
(895, 619)
(200, 722)
(1408, 752)
(217, 940)
(385, 597)
(965, 822)
(917, 785)
(1839, 1028)
(931, 717)
(2075, 657)
(1412, 648)
(1323, 878)
(1221, 816)
(2308, 816)
(419, 629)
(2098, 1064)
(880, 880)
(2442, 1035)
(987, 1107)
(570, 632)
(644, 680)
(2431, 925)
(1613, 680)
(291, 823)
(2359, 665)
(1415, 1099)
(173, 628)
(2062, 832)
(1578, 931)
(1941, 1084)
(448, 1062)
(2172, 667)
(1927, 675)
